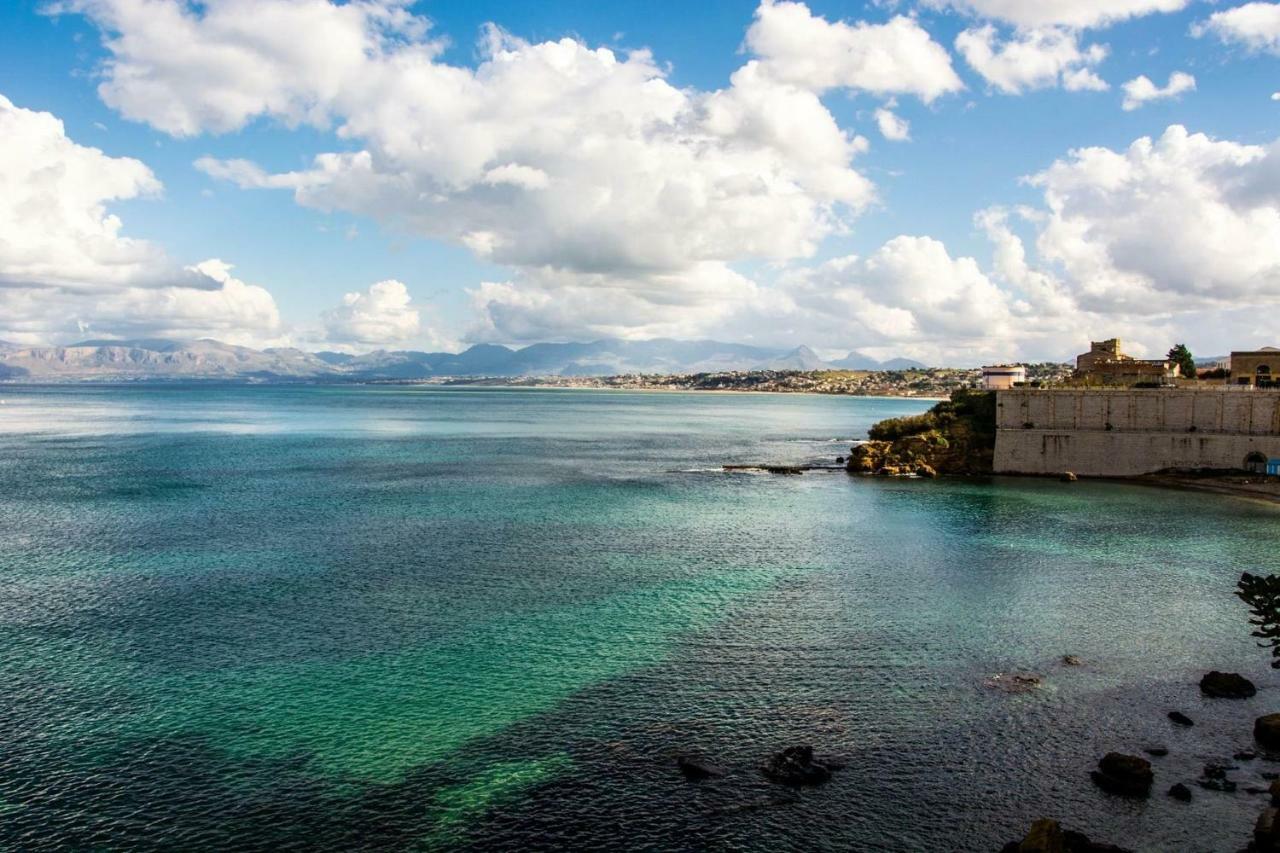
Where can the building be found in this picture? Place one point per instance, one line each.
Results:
(1001, 377)
(1259, 368)
(1106, 364)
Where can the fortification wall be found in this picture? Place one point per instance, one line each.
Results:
(1126, 432)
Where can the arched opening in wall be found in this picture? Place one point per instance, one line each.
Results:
(1262, 376)
(1255, 462)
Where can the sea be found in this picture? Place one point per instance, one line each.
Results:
(273, 617)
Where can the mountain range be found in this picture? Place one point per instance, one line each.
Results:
(142, 360)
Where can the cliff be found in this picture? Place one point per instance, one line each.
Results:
(955, 437)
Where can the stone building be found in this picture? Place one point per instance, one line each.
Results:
(1106, 364)
(1260, 368)
(1001, 377)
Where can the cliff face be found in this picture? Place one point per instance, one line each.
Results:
(955, 437)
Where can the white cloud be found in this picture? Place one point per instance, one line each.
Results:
(65, 263)
(892, 126)
(1256, 26)
(1181, 223)
(1140, 90)
(1031, 59)
(898, 57)
(1069, 13)
(382, 315)
(566, 163)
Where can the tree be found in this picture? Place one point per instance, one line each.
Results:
(1262, 594)
(1182, 357)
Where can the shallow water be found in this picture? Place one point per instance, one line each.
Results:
(402, 618)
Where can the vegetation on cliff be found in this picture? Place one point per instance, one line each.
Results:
(957, 436)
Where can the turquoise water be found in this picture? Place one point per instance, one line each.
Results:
(267, 618)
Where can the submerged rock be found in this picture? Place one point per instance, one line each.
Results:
(1180, 718)
(1266, 730)
(1126, 775)
(1071, 660)
(1157, 751)
(697, 769)
(1180, 792)
(1245, 755)
(1015, 682)
(1227, 685)
(795, 765)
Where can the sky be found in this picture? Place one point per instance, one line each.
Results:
(956, 181)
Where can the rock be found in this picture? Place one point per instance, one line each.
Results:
(1214, 770)
(1071, 660)
(697, 769)
(1226, 786)
(1254, 789)
(1126, 775)
(1015, 682)
(1227, 685)
(1266, 730)
(927, 472)
(1180, 718)
(795, 765)
(1157, 751)
(1045, 836)
(839, 460)
(1245, 755)
(1269, 776)
(1068, 477)
(1274, 790)
(1180, 792)
(1266, 832)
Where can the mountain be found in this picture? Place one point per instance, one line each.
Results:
(150, 359)
(800, 358)
(143, 359)
(857, 361)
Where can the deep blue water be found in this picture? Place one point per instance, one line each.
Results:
(265, 618)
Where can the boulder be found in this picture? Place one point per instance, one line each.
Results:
(1157, 751)
(1068, 477)
(1266, 730)
(927, 472)
(1125, 775)
(1227, 685)
(795, 765)
(696, 769)
(1180, 718)
(1180, 792)
(1045, 837)
(1266, 832)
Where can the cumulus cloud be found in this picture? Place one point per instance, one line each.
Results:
(1141, 90)
(564, 162)
(1031, 59)
(1255, 26)
(892, 126)
(898, 57)
(66, 264)
(1182, 222)
(1069, 13)
(382, 315)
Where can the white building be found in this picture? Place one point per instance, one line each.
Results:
(1001, 377)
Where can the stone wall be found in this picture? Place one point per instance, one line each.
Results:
(1125, 432)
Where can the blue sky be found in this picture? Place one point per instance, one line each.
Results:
(969, 151)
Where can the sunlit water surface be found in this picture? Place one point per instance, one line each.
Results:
(265, 618)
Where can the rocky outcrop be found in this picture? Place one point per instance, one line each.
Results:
(1227, 685)
(796, 765)
(1126, 775)
(955, 437)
